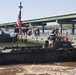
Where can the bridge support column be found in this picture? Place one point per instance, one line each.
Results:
(7, 29)
(60, 28)
(43, 29)
(73, 26)
(33, 26)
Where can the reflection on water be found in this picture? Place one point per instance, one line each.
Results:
(67, 68)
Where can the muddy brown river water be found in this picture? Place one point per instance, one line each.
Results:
(67, 68)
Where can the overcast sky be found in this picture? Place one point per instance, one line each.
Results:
(33, 9)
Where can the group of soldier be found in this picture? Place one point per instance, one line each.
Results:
(35, 31)
(51, 37)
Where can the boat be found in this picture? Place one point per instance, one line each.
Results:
(5, 37)
(62, 51)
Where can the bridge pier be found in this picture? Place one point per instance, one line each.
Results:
(67, 22)
(73, 27)
(7, 29)
(42, 28)
(33, 26)
(60, 28)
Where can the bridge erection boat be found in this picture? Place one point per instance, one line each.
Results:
(61, 52)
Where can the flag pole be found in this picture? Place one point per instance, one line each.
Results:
(20, 20)
(20, 6)
(19, 23)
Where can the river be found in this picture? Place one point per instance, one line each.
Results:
(67, 68)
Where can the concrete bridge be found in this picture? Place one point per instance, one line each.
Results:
(61, 19)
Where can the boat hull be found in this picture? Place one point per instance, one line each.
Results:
(40, 56)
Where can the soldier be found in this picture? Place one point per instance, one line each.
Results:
(56, 31)
(52, 39)
(38, 32)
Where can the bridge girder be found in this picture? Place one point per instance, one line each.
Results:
(66, 22)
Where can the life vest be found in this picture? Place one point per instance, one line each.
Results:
(64, 37)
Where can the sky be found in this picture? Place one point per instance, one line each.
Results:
(33, 9)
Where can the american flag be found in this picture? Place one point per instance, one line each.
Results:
(18, 22)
